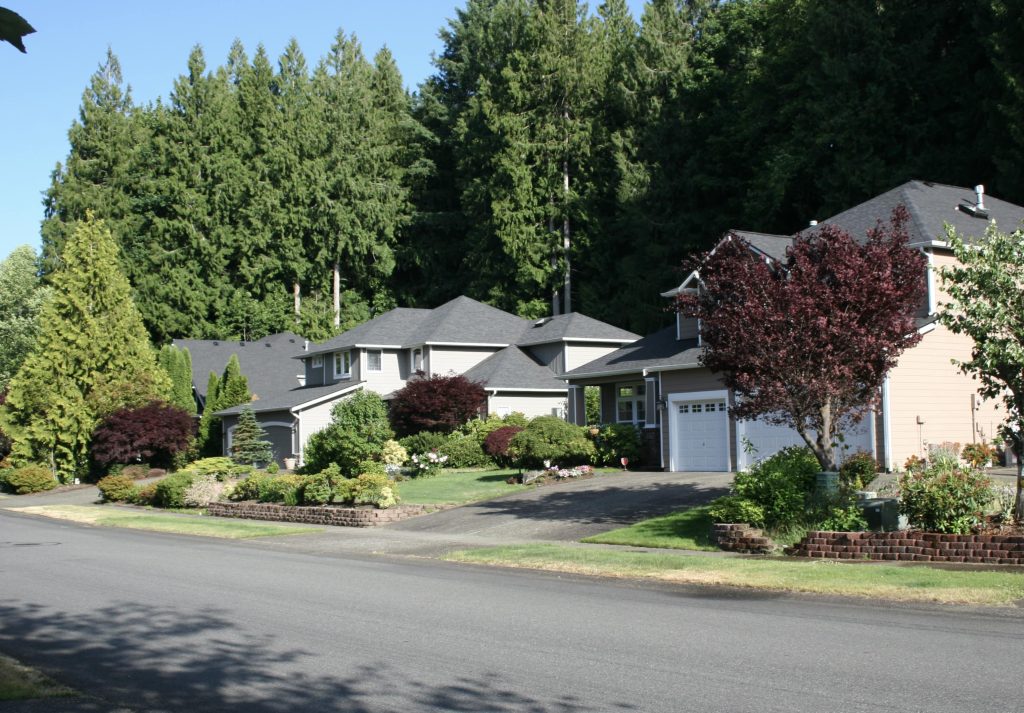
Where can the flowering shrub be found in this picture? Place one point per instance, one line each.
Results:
(978, 454)
(567, 473)
(427, 464)
(393, 454)
(204, 490)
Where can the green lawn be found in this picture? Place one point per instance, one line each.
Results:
(106, 516)
(457, 487)
(903, 583)
(19, 683)
(684, 530)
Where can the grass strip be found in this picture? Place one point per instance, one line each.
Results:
(684, 530)
(19, 683)
(900, 583)
(104, 516)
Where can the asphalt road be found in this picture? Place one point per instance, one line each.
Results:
(171, 623)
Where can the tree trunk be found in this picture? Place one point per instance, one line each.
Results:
(826, 447)
(297, 292)
(554, 266)
(566, 239)
(337, 295)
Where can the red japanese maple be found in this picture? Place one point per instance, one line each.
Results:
(150, 434)
(807, 342)
(438, 403)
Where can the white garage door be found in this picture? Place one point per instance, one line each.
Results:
(767, 439)
(701, 435)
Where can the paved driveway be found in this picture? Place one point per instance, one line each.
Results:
(575, 510)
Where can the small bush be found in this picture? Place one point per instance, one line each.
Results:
(118, 488)
(843, 518)
(857, 472)
(221, 468)
(250, 488)
(497, 442)
(615, 441)
(422, 442)
(358, 430)
(170, 492)
(285, 489)
(548, 438)
(30, 479)
(733, 508)
(463, 452)
(145, 494)
(205, 489)
(940, 499)
(978, 454)
(781, 485)
(374, 489)
(273, 467)
(319, 487)
(429, 464)
(394, 454)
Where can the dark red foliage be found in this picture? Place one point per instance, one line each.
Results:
(496, 443)
(808, 342)
(440, 404)
(151, 434)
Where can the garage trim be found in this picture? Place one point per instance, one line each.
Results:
(678, 397)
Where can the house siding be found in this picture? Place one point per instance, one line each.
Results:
(926, 384)
(315, 419)
(531, 405)
(393, 374)
(279, 426)
(687, 326)
(576, 355)
(550, 355)
(315, 376)
(684, 381)
(458, 360)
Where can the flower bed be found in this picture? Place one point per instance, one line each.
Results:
(552, 474)
(912, 546)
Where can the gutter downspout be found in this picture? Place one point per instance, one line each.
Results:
(887, 426)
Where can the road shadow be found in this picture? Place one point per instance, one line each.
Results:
(156, 659)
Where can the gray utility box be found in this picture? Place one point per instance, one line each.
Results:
(883, 514)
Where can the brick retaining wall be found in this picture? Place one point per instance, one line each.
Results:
(740, 538)
(912, 546)
(316, 515)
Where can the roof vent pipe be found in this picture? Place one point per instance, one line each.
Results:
(979, 190)
(305, 346)
(813, 223)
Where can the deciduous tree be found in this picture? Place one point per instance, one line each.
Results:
(439, 403)
(21, 298)
(986, 292)
(152, 434)
(806, 342)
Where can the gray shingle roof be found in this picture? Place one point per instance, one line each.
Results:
(657, 351)
(774, 246)
(267, 363)
(392, 327)
(284, 400)
(930, 205)
(511, 368)
(572, 326)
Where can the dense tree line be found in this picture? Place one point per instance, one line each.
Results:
(560, 158)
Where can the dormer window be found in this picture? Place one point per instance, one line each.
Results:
(317, 361)
(342, 364)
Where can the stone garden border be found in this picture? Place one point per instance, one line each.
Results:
(911, 546)
(317, 515)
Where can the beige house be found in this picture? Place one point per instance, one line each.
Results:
(659, 384)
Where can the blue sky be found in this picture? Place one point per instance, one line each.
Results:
(42, 90)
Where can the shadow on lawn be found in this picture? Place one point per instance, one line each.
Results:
(154, 658)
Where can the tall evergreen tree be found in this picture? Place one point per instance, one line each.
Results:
(249, 444)
(21, 298)
(91, 337)
(178, 365)
(231, 389)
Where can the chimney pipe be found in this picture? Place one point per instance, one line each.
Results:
(979, 190)
(305, 346)
(813, 223)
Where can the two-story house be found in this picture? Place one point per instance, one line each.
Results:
(659, 383)
(517, 362)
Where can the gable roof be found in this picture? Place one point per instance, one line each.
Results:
(512, 369)
(297, 396)
(266, 363)
(573, 327)
(655, 352)
(931, 206)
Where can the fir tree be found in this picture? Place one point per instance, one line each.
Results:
(208, 435)
(21, 298)
(249, 444)
(178, 365)
(231, 389)
(91, 339)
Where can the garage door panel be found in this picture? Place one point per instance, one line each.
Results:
(701, 429)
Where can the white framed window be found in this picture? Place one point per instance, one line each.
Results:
(374, 360)
(317, 361)
(417, 360)
(342, 364)
(631, 403)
